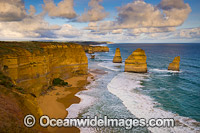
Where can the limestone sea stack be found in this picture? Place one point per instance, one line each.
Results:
(174, 66)
(136, 62)
(117, 58)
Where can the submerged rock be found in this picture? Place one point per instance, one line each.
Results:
(136, 62)
(174, 66)
(117, 58)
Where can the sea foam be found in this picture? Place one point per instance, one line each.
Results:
(75, 109)
(111, 66)
(143, 106)
(163, 71)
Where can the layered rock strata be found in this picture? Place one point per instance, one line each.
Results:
(174, 66)
(136, 62)
(35, 70)
(91, 49)
(117, 58)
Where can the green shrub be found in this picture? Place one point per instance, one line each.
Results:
(5, 81)
(59, 82)
(21, 90)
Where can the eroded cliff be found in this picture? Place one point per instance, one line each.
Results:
(34, 66)
(91, 49)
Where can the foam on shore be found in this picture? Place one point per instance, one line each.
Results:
(163, 71)
(86, 101)
(111, 66)
(143, 106)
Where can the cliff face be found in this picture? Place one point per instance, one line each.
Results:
(92, 49)
(117, 58)
(174, 66)
(136, 62)
(35, 70)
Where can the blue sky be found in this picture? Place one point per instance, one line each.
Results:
(102, 20)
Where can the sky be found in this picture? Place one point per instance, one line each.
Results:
(119, 21)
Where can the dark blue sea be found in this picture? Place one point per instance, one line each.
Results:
(157, 94)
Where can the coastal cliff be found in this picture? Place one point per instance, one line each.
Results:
(136, 62)
(117, 58)
(174, 66)
(92, 49)
(34, 68)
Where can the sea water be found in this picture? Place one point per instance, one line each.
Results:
(157, 94)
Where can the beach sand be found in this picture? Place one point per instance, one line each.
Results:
(55, 102)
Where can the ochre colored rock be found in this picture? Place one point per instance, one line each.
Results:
(100, 49)
(35, 70)
(174, 66)
(92, 56)
(117, 58)
(136, 62)
(91, 49)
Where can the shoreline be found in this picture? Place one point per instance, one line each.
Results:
(61, 98)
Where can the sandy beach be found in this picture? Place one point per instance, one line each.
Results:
(55, 102)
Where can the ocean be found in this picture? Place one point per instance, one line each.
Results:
(157, 94)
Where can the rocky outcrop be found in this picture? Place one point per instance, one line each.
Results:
(117, 58)
(92, 56)
(136, 62)
(100, 48)
(91, 49)
(174, 66)
(35, 70)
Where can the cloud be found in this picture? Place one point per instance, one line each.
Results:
(12, 10)
(138, 31)
(191, 33)
(67, 31)
(169, 4)
(64, 9)
(143, 17)
(95, 13)
(32, 26)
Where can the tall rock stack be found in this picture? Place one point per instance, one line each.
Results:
(174, 66)
(136, 62)
(117, 58)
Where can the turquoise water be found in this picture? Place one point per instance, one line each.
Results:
(168, 94)
(176, 92)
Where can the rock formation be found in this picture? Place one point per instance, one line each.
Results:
(174, 66)
(136, 62)
(92, 56)
(34, 69)
(91, 49)
(117, 58)
(100, 48)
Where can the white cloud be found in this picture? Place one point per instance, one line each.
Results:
(12, 10)
(191, 33)
(64, 9)
(95, 13)
(142, 17)
(67, 31)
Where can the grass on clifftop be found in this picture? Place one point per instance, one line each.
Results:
(6, 47)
